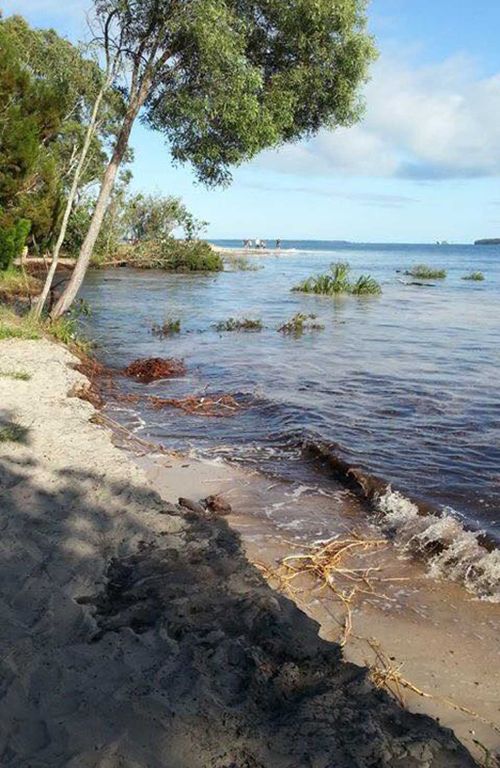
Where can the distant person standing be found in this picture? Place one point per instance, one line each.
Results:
(278, 244)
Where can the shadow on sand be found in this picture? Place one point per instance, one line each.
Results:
(135, 636)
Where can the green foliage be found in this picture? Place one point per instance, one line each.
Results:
(47, 89)
(243, 324)
(14, 327)
(366, 286)
(154, 217)
(169, 327)
(475, 276)
(337, 282)
(12, 242)
(424, 272)
(232, 78)
(13, 433)
(300, 323)
(173, 255)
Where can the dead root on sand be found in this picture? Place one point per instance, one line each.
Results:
(387, 675)
(328, 563)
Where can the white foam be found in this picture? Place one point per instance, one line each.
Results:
(451, 551)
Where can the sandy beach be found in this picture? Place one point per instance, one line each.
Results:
(136, 633)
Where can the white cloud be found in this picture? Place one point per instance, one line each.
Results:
(439, 121)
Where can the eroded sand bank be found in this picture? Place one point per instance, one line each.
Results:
(135, 635)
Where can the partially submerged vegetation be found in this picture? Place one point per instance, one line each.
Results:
(424, 272)
(238, 263)
(299, 324)
(151, 369)
(338, 282)
(239, 324)
(170, 327)
(171, 255)
(474, 276)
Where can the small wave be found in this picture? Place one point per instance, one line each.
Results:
(419, 529)
(451, 551)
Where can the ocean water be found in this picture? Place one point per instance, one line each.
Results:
(405, 385)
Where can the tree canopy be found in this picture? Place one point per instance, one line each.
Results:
(228, 78)
(47, 87)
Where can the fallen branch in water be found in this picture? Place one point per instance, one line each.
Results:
(226, 405)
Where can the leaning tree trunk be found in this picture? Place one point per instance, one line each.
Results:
(74, 285)
(69, 205)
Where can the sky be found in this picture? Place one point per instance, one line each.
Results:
(423, 164)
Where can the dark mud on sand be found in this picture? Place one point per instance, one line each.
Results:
(238, 675)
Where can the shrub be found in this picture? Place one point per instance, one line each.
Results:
(12, 242)
(300, 323)
(476, 276)
(173, 256)
(424, 272)
(337, 282)
(244, 324)
(169, 327)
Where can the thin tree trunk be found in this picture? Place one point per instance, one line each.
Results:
(74, 285)
(71, 199)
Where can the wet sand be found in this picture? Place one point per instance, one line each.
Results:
(135, 633)
(443, 640)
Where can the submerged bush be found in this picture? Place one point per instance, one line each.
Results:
(476, 276)
(424, 272)
(337, 281)
(169, 327)
(243, 324)
(241, 263)
(172, 255)
(300, 323)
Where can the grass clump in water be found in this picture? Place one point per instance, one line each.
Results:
(13, 433)
(243, 324)
(15, 375)
(475, 276)
(300, 323)
(424, 272)
(337, 282)
(169, 327)
(240, 263)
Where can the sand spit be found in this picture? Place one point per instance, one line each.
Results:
(134, 635)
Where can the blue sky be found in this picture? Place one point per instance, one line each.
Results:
(423, 165)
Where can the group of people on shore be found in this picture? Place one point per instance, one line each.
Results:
(259, 244)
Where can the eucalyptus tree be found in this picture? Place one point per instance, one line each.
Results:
(224, 79)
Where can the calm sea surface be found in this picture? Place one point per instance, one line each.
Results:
(406, 384)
